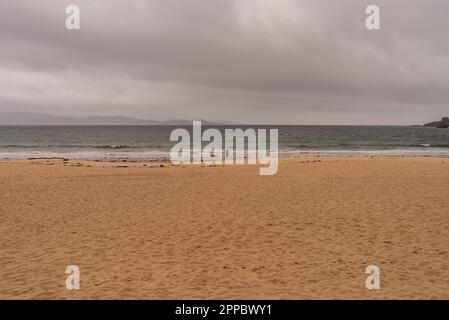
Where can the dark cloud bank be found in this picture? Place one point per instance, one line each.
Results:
(258, 61)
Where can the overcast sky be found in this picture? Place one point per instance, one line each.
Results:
(250, 61)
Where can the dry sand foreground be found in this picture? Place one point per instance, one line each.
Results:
(225, 232)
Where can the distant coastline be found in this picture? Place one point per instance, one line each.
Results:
(27, 118)
(44, 119)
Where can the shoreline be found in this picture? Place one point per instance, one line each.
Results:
(165, 156)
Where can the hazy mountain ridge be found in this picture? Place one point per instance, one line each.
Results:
(29, 118)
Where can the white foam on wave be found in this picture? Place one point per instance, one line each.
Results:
(86, 155)
(428, 152)
(158, 154)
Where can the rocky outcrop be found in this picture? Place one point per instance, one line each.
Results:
(444, 123)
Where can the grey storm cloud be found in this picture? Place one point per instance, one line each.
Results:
(254, 61)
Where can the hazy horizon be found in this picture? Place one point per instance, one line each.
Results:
(17, 118)
(292, 62)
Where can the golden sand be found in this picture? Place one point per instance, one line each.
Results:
(138, 230)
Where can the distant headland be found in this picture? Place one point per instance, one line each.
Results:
(27, 118)
(443, 123)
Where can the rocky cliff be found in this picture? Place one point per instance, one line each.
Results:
(443, 123)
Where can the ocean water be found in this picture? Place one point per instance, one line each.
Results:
(153, 142)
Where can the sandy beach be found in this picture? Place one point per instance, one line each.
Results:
(145, 231)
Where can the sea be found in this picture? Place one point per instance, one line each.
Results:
(153, 142)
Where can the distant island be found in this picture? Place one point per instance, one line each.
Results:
(443, 123)
(29, 118)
